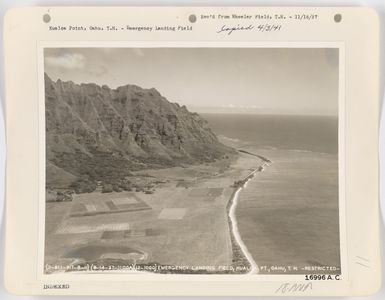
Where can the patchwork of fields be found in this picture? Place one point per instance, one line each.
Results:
(183, 223)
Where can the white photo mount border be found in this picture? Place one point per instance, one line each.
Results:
(26, 32)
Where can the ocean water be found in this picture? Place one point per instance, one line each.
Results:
(288, 215)
(308, 133)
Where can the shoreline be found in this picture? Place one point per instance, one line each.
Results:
(241, 256)
(184, 186)
(266, 160)
(238, 262)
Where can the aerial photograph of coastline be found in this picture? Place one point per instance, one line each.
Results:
(191, 161)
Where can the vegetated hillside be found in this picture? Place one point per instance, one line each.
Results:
(95, 133)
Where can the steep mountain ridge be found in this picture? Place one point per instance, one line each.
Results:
(100, 133)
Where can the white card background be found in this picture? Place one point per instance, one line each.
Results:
(379, 5)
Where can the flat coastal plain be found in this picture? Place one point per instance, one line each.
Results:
(183, 224)
(287, 217)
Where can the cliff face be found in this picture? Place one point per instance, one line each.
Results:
(95, 130)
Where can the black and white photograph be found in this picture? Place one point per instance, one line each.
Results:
(192, 160)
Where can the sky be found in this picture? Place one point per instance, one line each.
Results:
(253, 80)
